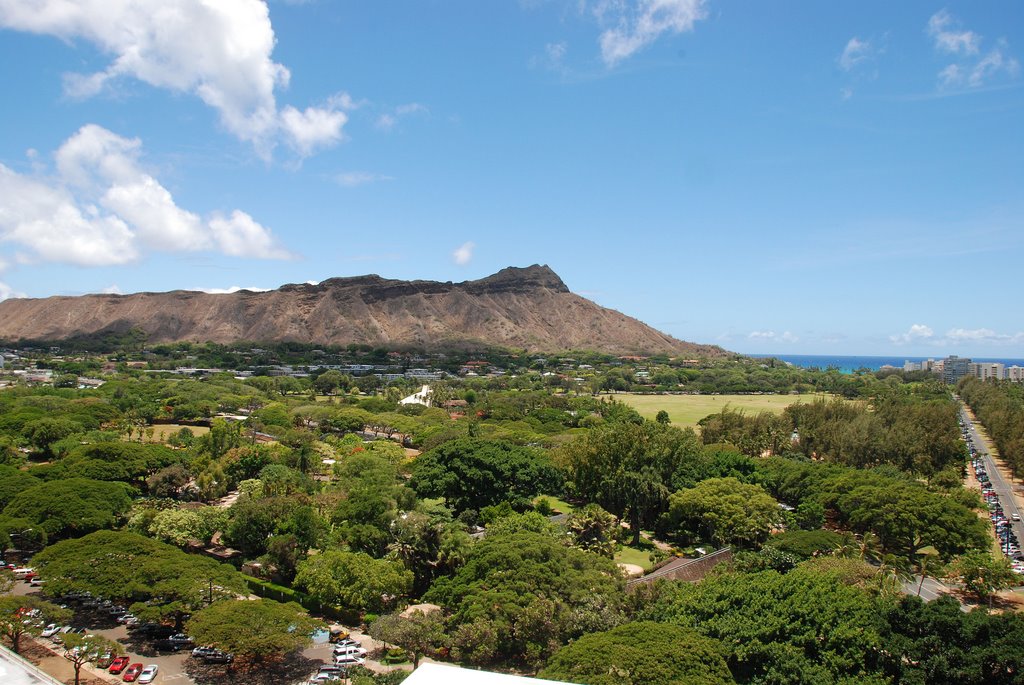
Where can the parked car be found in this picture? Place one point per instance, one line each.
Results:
(148, 674)
(349, 649)
(119, 664)
(218, 657)
(132, 673)
(50, 630)
(348, 659)
(347, 641)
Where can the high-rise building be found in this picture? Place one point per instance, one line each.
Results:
(987, 370)
(954, 368)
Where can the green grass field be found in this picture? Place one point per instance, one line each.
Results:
(631, 555)
(687, 410)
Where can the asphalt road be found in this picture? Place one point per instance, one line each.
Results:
(999, 484)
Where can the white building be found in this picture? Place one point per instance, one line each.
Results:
(987, 370)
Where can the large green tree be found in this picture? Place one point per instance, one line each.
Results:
(474, 473)
(14, 624)
(76, 506)
(159, 581)
(256, 631)
(641, 653)
(982, 574)
(819, 623)
(81, 649)
(723, 511)
(522, 593)
(353, 580)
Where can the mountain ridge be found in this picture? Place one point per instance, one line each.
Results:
(517, 307)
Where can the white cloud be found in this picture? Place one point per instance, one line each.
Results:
(50, 222)
(951, 41)
(995, 61)
(971, 68)
(351, 179)
(113, 289)
(983, 335)
(411, 108)
(228, 291)
(772, 336)
(639, 25)
(7, 292)
(240, 236)
(218, 51)
(463, 254)
(312, 128)
(389, 120)
(101, 208)
(855, 52)
(916, 333)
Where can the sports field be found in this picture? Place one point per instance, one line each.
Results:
(687, 410)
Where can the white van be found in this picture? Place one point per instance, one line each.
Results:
(20, 573)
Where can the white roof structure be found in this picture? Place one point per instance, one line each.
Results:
(442, 674)
(15, 670)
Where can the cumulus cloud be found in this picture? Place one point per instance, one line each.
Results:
(311, 128)
(351, 179)
(638, 25)
(239, 235)
(972, 68)
(102, 208)
(855, 52)
(463, 254)
(772, 336)
(916, 332)
(218, 51)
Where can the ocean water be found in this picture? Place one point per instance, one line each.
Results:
(848, 364)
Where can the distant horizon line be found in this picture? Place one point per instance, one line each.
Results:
(908, 357)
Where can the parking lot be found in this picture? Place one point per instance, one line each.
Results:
(180, 668)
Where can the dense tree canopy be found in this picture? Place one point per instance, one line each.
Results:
(253, 630)
(65, 508)
(904, 514)
(158, 580)
(472, 474)
(354, 581)
(811, 625)
(522, 593)
(723, 511)
(641, 653)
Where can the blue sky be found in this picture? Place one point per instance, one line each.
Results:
(797, 177)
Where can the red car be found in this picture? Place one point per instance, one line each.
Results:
(132, 673)
(119, 664)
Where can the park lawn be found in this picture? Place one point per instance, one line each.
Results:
(557, 505)
(687, 410)
(163, 431)
(631, 555)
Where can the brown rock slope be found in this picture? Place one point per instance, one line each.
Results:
(522, 308)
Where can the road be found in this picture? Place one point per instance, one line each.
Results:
(999, 484)
(932, 589)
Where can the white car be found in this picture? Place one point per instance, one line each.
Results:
(148, 674)
(345, 659)
(349, 649)
(50, 630)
